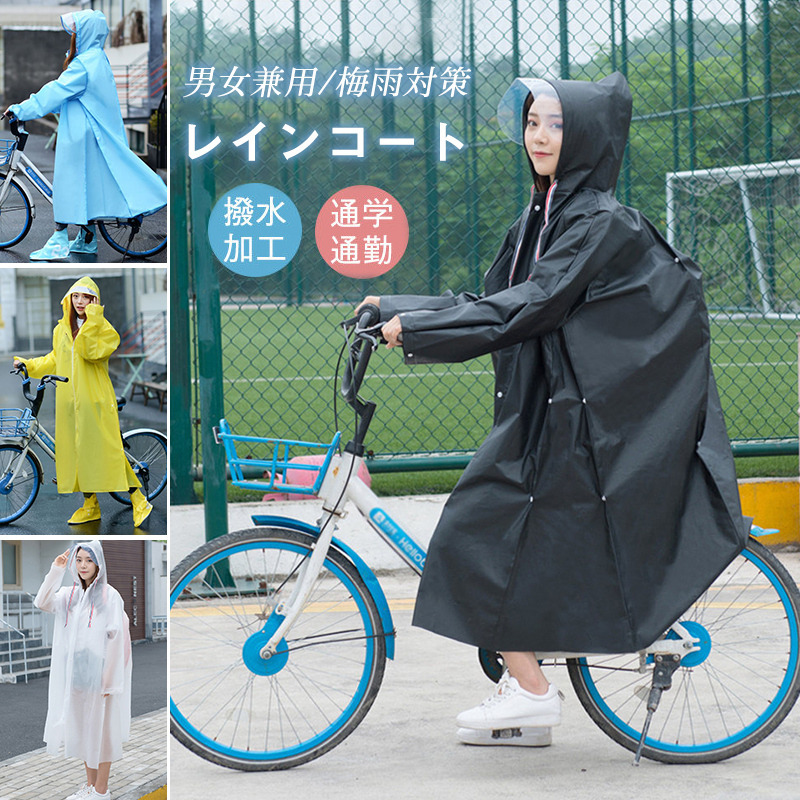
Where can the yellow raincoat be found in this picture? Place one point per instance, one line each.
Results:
(89, 454)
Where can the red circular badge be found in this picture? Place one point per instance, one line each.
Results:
(362, 231)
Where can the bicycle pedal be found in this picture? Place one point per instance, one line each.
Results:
(55, 481)
(518, 737)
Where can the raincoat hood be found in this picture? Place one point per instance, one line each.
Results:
(90, 26)
(596, 117)
(83, 285)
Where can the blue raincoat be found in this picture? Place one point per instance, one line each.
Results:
(96, 173)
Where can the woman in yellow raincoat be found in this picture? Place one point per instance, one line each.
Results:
(89, 453)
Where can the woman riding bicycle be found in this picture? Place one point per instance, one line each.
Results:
(89, 452)
(96, 174)
(604, 500)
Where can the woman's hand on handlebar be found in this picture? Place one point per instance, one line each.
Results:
(369, 300)
(392, 331)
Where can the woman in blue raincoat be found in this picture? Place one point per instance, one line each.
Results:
(89, 452)
(96, 174)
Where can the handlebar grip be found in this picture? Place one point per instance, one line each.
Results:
(368, 315)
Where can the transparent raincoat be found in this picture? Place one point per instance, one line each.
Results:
(89, 453)
(89, 697)
(96, 174)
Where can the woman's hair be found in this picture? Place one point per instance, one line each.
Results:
(97, 568)
(73, 44)
(73, 318)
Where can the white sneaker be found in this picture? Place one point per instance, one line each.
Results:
(82, 793)
(93, 793)
(516, 737)
(513, 707)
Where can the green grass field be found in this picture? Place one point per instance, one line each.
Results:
(279, 364)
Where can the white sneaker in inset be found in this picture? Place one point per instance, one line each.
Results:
(516, 737)
(82, 793)
(511, 706)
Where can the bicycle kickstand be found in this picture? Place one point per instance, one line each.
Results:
(662, 680)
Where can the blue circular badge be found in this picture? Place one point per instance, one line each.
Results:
(254, 230)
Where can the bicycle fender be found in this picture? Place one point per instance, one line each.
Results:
(38, 464)
(367, 575)
(160, 434)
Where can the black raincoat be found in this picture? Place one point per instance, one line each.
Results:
(604, 500)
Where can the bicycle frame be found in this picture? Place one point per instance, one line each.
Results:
(22, 165)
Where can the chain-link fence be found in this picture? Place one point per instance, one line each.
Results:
(713, 160)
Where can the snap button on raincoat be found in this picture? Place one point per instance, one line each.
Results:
(89, 453)
(96, 174)
(91, 657)
(604, 500)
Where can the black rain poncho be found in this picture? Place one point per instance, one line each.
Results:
(604, 500)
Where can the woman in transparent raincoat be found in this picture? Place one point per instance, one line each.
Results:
(96, 174)
(89, 453)
(89, 696)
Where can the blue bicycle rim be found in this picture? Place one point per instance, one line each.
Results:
(24, 231)
(31, 497)
(719, 744)
(333, 727)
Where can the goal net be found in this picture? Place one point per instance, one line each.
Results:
(742, 225)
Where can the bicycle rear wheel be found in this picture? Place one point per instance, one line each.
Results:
(15, 215)
(139, 237)
(147, 453)
(17, 496)
(724, 698)
(232, 707)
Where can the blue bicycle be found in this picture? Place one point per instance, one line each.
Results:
(280, 633)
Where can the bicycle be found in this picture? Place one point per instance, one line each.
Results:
(21, 472)
(280, 633)
(17, 208)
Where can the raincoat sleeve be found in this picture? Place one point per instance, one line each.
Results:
(42, 365)
(97, 338)
(401, 303)
(541, 304)
(118, 647)
(70, 84)
(47, 596)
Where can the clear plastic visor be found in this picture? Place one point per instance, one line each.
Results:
(68, 23)
(509, 109)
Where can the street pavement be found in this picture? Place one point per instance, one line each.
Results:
(43, 224)
(50, 511)
(406, 746)
(28, 773)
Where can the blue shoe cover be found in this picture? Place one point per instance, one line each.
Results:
(80, 245)
(56, 249)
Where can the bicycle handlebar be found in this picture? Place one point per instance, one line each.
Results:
(19, 133)
(358, 358)
(35, 400)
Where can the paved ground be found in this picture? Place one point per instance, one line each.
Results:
(406, 746)
(28, 773)
(43, 225)
(50, 511)
(141, 770)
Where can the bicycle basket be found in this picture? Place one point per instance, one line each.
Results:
(15, 421)
(283, 469)
(7, 147)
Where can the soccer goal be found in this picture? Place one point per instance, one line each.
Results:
(742, 224)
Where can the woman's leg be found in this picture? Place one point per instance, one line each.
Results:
(91, 775)
(525, 668)
(101, 781)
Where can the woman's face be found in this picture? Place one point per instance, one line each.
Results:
(80, 301)
(543, 133)
(87, 569)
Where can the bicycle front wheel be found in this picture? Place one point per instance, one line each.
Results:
(727, 696)
(15, 214)
(146, 452)
(17, 493)
(233, 707)
(138, 237)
